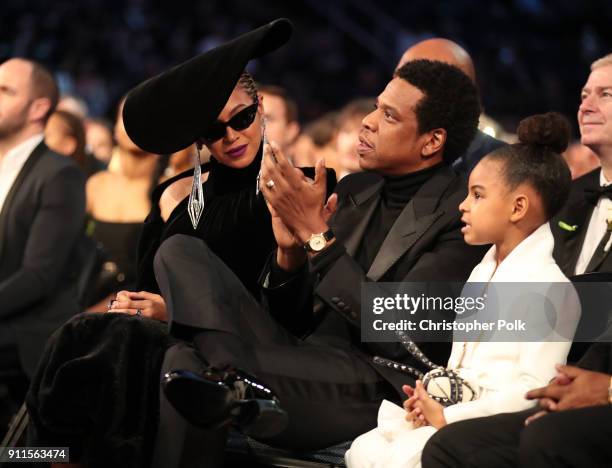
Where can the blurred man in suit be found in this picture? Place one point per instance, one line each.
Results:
(42, 210)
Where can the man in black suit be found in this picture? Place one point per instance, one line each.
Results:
(398, 221)
(447, 51)
(581, 229)
(572, 426)
(42, 210)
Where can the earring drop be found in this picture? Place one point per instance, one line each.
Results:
(195, 206)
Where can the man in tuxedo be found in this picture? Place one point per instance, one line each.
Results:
(448, 51)
(42, 211)
(571, 427)
(581, 228)
(397, 221)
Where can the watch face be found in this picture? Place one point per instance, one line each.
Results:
(317, 242)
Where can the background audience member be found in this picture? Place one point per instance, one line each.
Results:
(349, 125)
(581, 229)
(65, 134)
(73, 104)
(580, 159)
(318, 141)
(180, 161)
(99, 137)
(117, 203)
(42, 212)
(281, 115)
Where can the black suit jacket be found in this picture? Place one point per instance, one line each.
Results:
(424, 244)
(598, 358)
(576, 212)
(40, 224)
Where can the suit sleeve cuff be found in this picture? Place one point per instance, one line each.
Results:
(323, 261)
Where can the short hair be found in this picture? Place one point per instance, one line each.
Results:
(602, 62)
(536, 159)
(450, 102)
(43, 85)
(357, 108)
(291, 111)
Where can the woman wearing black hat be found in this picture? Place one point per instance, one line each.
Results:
(212, 102)
(78, 396)
(231, 204)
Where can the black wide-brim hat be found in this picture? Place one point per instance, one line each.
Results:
(169, 111)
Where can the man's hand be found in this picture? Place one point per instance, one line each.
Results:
(296, 200)
(151, 305)
(575, 388)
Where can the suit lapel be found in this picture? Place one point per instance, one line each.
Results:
(414, 220)
(26, 170)
(351, 225)
(578, 212)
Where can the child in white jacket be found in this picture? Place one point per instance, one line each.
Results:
(513, 192)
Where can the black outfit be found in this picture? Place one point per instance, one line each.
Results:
(305, 341)
(92, 165)
(40, 225)
(568, 244)
(576, 212)
(235, 223)
(120, 241)
(573, 438)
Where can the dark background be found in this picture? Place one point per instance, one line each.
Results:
(530, 55)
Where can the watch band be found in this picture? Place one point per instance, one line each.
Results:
(610, 391)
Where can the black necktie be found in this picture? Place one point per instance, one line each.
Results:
(593, 195)
(600, 253)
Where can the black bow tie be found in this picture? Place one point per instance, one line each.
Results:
(594, 194)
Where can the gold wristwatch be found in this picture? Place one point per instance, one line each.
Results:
(318, 242)
(610, 391)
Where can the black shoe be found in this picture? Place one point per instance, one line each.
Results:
(217, 398)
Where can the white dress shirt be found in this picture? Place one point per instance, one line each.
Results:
(596, 230)
(12, 163)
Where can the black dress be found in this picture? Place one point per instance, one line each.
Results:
(235, 224)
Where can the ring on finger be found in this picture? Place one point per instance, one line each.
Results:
(270, 184)
(139, 312)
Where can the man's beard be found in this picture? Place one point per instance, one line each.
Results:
(13, 126)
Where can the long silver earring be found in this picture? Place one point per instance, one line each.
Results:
(195, 207)
(263, 148)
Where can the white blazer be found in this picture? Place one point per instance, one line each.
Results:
(502, 372)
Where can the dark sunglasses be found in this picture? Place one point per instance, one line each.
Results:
(240, 121)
